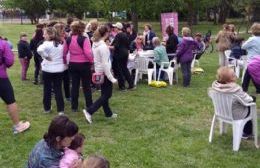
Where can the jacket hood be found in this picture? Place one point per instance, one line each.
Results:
(227, 88)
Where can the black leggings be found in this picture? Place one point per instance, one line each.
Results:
(6, 91)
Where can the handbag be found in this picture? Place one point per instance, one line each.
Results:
(98, 78)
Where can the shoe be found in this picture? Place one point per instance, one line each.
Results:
(35, 82)
(87, 116)
(47, 111)
(246, 136)
(122, 89)
(61, 113)
(114, 115)
(21, 127)
(131, 88)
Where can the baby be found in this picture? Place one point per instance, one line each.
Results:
(73, 153)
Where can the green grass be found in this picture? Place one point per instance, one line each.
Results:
(156, 128)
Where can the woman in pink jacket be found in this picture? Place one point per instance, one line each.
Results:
(80, 62)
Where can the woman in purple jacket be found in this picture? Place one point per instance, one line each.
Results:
(6, 89)
(185, 55)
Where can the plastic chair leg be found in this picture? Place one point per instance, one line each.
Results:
(150, 74)
(237, 134)
(159, 74)
(212, 129)
(136, 76)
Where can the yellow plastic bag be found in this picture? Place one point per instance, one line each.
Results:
(158, 84)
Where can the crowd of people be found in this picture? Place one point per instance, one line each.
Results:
(73, 55)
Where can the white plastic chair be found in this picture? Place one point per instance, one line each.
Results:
(232, 63)
(223, 112)
(142, 68)
(169, 68)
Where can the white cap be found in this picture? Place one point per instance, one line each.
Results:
(118, 25)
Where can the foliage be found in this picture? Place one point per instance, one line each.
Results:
(72, 7)
(34, 9)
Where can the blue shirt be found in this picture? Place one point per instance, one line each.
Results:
(252, 46)
(43, 156)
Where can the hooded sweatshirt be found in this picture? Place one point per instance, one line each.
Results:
(102, 61)
(185, 49)
(254, 68)
(239, 111)
(6, 58)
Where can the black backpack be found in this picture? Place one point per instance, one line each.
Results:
(80, 41)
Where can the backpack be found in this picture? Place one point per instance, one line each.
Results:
(80, 41)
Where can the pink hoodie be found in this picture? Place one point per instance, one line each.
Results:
(68, 158)
(77, 55)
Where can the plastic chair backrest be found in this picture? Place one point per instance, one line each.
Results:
(222, 104)
(227, 53)
(142, 64)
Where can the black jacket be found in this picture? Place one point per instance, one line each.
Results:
(171, 44)
(24, 49)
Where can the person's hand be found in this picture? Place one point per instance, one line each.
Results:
(77, 163)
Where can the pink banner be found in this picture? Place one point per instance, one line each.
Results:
(169, 19)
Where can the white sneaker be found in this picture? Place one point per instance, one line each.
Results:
(61, 113)
(114, 115)
(87, 116)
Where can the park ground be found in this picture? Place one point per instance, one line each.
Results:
(156, 127)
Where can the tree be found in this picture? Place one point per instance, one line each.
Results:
(34, 9)
(72, 7)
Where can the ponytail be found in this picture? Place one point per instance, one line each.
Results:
(100, 33)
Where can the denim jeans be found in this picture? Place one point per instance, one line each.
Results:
(25, 65)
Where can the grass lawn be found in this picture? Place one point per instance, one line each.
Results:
(156, 128)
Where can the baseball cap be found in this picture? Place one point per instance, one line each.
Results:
(118, 25)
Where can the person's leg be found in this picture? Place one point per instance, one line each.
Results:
(246, 81)
(47, 86)
(36, 69)
(27, 64)
(126, 73)
(120, 75)
(75, 76)
(7, 94)
(106, 93)
(22, 62)
(85, 75)
(66, 84)
(222, 59)
(188, 73)
(57, 86)
(185, 74)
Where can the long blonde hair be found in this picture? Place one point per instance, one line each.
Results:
(99, 33)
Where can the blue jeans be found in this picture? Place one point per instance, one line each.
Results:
(186, 73)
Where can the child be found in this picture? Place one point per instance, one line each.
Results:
(201, 45)
(25, 54)
(226, 83)
(73, 152)
(96, 162)
(185, 55)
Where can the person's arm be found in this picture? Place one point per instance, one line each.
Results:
(42, 51)
(247, 44)
(156, 56)
(87, 50)
(105, 54)
(65, 52)
(180, 51)
(8, 56)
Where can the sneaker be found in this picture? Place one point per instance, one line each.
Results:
(87, 116)
(122, 89)
(47, 111)
(131, 88)
(114, 115)
(61, 113)
(21, 127)
(246, 136)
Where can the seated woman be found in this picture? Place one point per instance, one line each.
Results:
(49, 151)
(137, 44)
(160, 55)
(226, 83)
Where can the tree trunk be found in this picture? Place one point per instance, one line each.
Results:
(224, 10)
(134, 19)
(256, 13)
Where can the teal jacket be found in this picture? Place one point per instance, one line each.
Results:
(160, 55)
